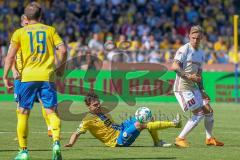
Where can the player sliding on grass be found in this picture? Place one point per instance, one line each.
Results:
(103, 127)
(17, 70)
(37, 43)
(188, 88)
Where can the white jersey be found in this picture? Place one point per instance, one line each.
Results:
(191, 61)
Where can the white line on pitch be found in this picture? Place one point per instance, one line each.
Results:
(30, 132)
(224, 132)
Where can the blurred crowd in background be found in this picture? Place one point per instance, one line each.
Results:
(143, 30)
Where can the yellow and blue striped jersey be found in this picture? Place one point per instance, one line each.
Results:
(37, 43)
(102, 127)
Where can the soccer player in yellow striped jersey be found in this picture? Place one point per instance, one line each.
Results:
(42, 39)
(103, 127)
(37, 43)
(17, 70)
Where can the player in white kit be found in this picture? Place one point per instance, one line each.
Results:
(188, 88)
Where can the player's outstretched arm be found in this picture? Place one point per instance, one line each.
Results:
(9, 61)
(73, 139)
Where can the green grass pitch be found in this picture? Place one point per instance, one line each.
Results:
(227, 129)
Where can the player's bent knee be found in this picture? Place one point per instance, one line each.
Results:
(196, 119)
(50, 110)
(207, 109)
(198, 115)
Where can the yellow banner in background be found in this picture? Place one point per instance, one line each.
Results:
(235, 38)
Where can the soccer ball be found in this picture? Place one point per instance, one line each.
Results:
(143, 115)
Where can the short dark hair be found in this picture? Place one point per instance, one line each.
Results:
(91, 96)
(33, 11)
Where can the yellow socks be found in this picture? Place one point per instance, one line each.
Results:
(46, 118)
(22, 129)
(55, 125)
(157, 125)
(17, 112)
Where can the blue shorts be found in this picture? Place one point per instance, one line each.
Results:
(128, 133)
(30, 91)
(16, 84)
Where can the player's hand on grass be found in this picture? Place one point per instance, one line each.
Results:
(68, 145)
(194, 77)
(7, 84)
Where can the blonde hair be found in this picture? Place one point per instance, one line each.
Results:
(196, 29)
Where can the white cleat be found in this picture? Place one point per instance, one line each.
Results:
(161, 143)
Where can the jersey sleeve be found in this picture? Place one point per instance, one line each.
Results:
(180, 54)
(83, 127)
(16, 37)
(56, 38)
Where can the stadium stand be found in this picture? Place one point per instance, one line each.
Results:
(155, 28)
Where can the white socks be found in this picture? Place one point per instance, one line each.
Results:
(193, 122)
(208, 122)
(190, 125)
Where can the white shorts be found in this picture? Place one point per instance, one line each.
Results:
(190, 100)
